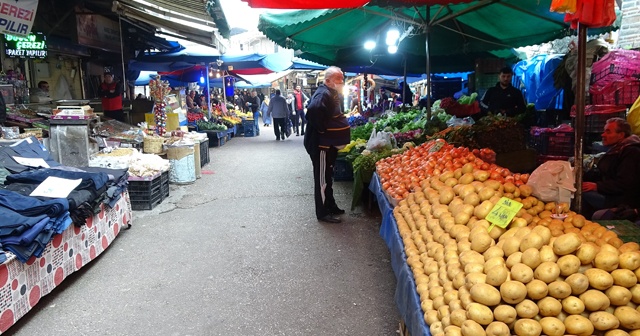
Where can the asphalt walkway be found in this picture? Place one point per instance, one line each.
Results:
(238, 253)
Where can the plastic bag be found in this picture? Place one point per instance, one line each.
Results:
(455, 121)
(380, 140)
(553, 181)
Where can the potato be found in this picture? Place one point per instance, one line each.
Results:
(630, 260)
(513, 292)
(547, 254)
(624, 278)
(497, 275)
(599, 279)
(511, 246)
(606, 261)
(552, 326)
(579, 283)
(479, 313)
(498, 329)
(629, 317)
(549, 307)
(527, 327)
(547, 271)
(610, 248)
(495, 261)
(531, 257)
(628, 247)
(573, 305)
(635, 294)
(436, 328)
(537, 289)
(618, 332)
(618, 295)
(513, 259)
(569, 264)
(578, 325)
(481, 242)
(587, 252)
(527, 309)
(559, 289)
(595, 300)
(505, 313)
(532, 240)
(493, 252)
(475, 278)
(566, 243)
(485, 294)
(604, 321)
(457, 317)
(472, 328)
(521, 272)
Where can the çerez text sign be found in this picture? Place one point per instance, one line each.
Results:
(16, 16)
(31, 46)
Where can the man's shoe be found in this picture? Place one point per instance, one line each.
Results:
(330, 219)
(302, 133)
(297, 134)
(337, 211)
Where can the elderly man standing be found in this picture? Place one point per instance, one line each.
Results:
(327, 131)
(616, 180)
(279, 110)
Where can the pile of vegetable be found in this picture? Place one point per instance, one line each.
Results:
(502, 134)
(549, 271)
(210, 126)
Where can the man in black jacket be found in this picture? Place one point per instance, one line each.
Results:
(616, 180)
(503, 98)
(253, 103)
(327, 131)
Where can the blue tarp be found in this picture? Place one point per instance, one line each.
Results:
(536, 76)
(406, 295)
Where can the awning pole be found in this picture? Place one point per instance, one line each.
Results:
(124, 75)
(580, 102)
(208, 88)
(428, 69)
(224, 89)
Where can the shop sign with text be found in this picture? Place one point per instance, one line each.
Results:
(98, 32)
(31, 46)
(16, 16)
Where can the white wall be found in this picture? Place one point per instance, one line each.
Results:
(629, 37)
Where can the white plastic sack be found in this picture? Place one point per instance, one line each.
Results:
(553, 181)
(380, 140)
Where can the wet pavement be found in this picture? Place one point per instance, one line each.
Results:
(239, 252)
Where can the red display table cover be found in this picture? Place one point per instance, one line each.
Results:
(23, 284)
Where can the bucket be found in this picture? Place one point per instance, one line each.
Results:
(182, 160)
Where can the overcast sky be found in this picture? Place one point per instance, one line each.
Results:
(240, 15)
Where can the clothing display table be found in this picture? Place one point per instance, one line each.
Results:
(23, 284)
(406, 296)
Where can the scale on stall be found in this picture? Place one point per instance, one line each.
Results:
(70, 129)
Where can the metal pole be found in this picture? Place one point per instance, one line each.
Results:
(124, 75)
(404, 83)
(208, 88)
(224, 89)
(428, 69)
(580, 102)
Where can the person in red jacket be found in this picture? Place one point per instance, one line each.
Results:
(111, 93)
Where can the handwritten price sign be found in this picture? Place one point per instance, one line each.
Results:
(503, 212)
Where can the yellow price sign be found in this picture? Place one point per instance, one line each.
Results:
(503, 212)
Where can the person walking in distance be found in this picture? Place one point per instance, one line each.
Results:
(299, 101)
(264, 107)
(327, 131)
(253, 104)
(279, 110)
(111, 93)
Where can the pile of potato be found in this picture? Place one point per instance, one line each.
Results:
(538, 276)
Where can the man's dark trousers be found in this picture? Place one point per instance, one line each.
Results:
(323, 161)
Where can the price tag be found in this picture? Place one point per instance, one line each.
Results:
(503, 212)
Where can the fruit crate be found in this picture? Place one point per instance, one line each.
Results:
(626, 230)
(146, 193)
(164, 185)
(204, 153)
(553, 143)
(342, 170)
(596, 116)
(540, 159)
(248, 127)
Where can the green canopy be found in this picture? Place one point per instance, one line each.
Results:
(459, 33)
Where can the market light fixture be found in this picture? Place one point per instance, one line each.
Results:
(201, 79)
(392, 49)
(392, 36)
(370, 45)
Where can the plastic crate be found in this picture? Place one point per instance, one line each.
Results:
(540, 159)
(164, 185)
(147, 193)
(596, 116)
(614, 71)
(248, 127)
(204, 153)
(342, 170)
(628, 93)
(557, 143)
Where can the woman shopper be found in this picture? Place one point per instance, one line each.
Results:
(264, 107)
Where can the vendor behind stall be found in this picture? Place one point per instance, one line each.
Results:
(111, 93)
(615, 181)
(503, 98)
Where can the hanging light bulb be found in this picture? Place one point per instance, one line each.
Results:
(211, 73)
(201, 79)
(218, 74)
